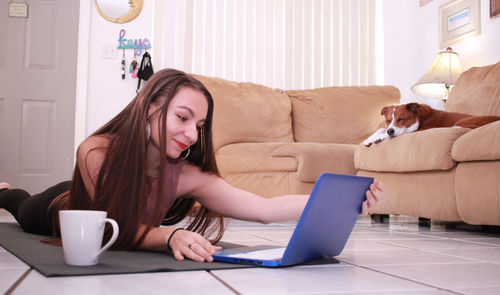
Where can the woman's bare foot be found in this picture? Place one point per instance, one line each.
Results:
(4, 185)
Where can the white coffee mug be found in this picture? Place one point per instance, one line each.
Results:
(82, 233)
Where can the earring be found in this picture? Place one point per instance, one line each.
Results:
(148, 131)
(187, 154)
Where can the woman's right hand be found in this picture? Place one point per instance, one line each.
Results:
(192, 245)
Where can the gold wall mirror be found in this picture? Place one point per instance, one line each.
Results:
(119, 11)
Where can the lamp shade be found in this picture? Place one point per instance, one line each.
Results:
(442, 74)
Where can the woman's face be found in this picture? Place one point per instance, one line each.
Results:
(186, 114)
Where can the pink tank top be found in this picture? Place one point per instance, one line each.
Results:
(172, 173)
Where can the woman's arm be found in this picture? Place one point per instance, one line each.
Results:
(227, 200)
(189, 244)
(219, 196)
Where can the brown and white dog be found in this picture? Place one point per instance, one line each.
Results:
(410, 117)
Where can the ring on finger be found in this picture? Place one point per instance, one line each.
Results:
(189, 246)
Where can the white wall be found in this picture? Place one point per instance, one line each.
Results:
(106, 92)
(412, 43)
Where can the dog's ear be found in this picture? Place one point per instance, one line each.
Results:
(413, 107)
(424, 111)
(385, 110)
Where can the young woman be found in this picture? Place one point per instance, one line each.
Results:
(148, 166)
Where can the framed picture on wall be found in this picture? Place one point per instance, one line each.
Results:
(458, 19)
(494, 8)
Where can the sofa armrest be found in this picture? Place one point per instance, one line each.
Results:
(316, 158)
(482, 143)
(420, 151)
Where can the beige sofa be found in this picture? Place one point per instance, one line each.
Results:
(448, 174)
(274, 142)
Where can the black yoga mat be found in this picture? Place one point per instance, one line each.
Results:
(49, 260)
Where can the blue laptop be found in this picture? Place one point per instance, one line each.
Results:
(322, 230)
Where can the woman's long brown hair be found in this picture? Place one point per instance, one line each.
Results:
(122, 186)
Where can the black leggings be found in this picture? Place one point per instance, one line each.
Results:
(31, 211)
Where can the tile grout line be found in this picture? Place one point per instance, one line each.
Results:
(263, 238)
(224, 283)
(436, 251)
(400, 277)
(18, 281)
(473, 260)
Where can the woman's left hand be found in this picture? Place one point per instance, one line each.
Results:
(373, 196)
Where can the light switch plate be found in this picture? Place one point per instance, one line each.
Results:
(109, 51)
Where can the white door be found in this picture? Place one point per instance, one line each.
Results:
(38, 56)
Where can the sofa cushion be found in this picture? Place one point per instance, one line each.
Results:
(309, 160)
(272, 169)
(420, 151)
(476, 92)
(253, 157)
(316, 158)
(266, 184)
(247, 112)
(482, 143)
(339, 114)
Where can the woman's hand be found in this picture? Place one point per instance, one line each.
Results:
(373, 196)
(192, 245)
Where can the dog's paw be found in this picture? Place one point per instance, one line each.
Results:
(376, 137)
(367, 143)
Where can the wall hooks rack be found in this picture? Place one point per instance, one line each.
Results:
(137, 44)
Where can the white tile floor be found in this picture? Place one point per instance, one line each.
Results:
(395, 258)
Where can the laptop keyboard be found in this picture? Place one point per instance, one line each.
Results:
(269, 254)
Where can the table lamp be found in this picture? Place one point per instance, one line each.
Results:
(440, 77)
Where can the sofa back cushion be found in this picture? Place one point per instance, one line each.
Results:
(339, 114)
(247, 112)
(476, 92)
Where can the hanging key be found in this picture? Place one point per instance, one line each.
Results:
(123, 65)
